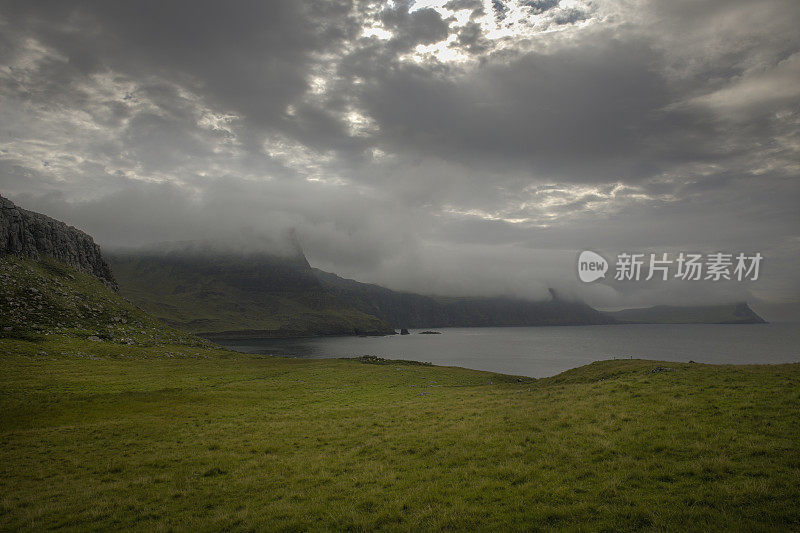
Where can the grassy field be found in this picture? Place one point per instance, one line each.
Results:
(96, 435)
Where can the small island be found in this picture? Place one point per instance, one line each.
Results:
(430, 332)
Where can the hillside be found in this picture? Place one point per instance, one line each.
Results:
(45, 297)
(237, 295)
(739, 313)
(55, 282)
(407, 310)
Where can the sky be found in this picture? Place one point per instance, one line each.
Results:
(460, 147)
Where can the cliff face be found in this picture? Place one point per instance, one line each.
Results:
(28, 234)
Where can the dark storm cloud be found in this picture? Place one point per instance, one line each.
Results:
(423, 26)
(471, 39)
(578, 114)
(251, 57)
(455, 147)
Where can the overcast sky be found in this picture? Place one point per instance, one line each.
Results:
(452, 147)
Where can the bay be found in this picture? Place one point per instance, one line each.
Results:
(546, 351)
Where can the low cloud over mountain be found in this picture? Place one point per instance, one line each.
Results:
(451, 147)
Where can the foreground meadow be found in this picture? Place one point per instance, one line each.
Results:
(99, 436)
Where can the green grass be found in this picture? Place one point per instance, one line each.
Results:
(108, 436)
(45, 298)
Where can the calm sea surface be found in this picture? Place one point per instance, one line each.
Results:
(546, 351)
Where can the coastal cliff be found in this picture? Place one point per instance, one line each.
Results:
(33, 235)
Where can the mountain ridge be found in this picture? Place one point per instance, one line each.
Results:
(410, 310)
(237, 295)
(229, 290)
(735, 313)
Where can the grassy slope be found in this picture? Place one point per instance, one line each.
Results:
(211, 440)
(40, 298)
(198, 302)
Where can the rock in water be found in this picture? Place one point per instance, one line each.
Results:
(33, 235)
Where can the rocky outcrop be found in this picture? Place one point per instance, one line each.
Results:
(34, 235)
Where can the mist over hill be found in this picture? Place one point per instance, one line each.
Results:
(233, 288)
(403, 309)
(223, 290)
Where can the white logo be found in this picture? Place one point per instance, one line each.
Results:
(591, 266)
(631, 266)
